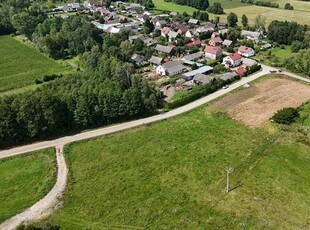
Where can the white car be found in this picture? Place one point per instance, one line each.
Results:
(225, 87)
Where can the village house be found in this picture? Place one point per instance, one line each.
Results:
(227, 43)
(180, 28)
(210, 24)
(161, 23)
(246, 51)
(201, 30)
(193, 57)
(164, 49)
(190, 33)
(266, 46)
(202, 79)
(241, 71)
(194, 43)
(138, 59)
(165, 31)
(232, 60)
(251, 35)
(193, 21)
(172, 35)
(213, 52)
(204, 69)
(249, 64)
(170, 68)
(215, 41)
(155, 60)
(142, 17)
(149, 41)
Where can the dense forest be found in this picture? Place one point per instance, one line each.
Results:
(76, 102)
(289, 33)
(198, 4)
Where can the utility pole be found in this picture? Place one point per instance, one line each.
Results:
(227, 182)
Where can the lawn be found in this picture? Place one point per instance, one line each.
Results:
(24, 180)
(274, 56)
(20, 64)
(171, 175)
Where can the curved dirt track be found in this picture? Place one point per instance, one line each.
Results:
(46, 205)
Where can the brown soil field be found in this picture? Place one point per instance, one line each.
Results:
(257, 104)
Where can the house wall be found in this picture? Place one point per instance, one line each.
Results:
(211, 56)
(160, 70)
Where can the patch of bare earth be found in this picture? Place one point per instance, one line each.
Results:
(257, 104)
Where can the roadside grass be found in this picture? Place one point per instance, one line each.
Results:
(20, 65)
(24, 180)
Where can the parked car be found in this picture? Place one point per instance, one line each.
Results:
(225, 87)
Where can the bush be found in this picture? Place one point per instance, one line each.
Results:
(285, 116)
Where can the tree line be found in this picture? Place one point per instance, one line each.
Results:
(198, 4)
(261, 3)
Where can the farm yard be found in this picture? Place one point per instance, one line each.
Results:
(21, 65)
(255, 105)
(176, 178)
(24, 180)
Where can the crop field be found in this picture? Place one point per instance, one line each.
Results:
(175, 178)
(257, 104)
(24, 180)
(300, 14)
(20, 65)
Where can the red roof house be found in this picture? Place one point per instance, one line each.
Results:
(213, 52)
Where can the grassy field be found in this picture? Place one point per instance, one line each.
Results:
(20, 65)
(171, 175)
(24, 180)
(300, 14)
(274, 56)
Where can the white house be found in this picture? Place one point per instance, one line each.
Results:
(170, 68)
(246, 51)
(232, 60)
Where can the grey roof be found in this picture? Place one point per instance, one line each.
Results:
(204, 29)
(193, 56)
(193, 21)
(228, 76)
(150, 41)
(227, 42)
(223, 31)
(249, 62)
(202, 78)
(250, 33)
(173, 66)
(203, 69)
(155, 60)
(137, 58)
(164, 49)
(173, 34)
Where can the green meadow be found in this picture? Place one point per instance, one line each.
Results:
(21, 65)
(171, 175)
(25, 179)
